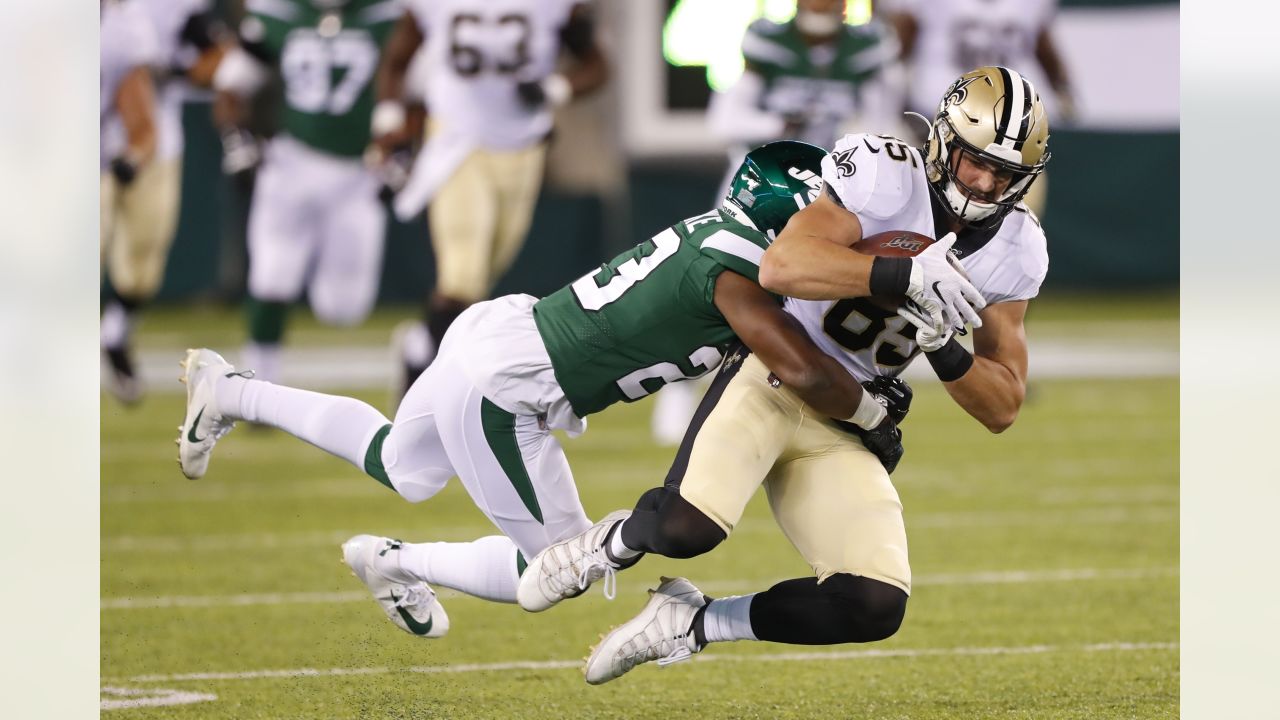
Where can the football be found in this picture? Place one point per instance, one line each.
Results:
(894, 243)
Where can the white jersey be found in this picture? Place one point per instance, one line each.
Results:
(477, 52)
(168, 19)
(126, 41)
(882, 181)
(956, 36)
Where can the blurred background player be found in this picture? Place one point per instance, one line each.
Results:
(943, 38)
(804, 79)
(492, 86)
(150, 48)
(315, 221)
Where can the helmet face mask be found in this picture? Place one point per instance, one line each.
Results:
(993, 119)
(773, 182)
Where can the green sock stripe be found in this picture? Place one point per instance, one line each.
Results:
(266, 321)
(500, 432)
(521, 563)
(373, 457)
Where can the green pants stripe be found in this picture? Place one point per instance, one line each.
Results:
(500, 432)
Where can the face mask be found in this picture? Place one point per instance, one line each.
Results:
(818, 24)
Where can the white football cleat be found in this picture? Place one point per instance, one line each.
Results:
(567, 568)
(663, 631)
(203, 426)
(407, 601)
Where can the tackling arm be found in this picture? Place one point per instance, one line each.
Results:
(785, 349)
(993, 388)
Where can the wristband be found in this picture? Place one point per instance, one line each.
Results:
(951, 361)
(388, 117)
(890, 277)
(870, 412)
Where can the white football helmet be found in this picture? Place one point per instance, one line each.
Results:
(994, 115)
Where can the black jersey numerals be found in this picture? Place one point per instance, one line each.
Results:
(468, 59)
(859, 325)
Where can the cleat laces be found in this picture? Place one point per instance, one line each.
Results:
(415, 595)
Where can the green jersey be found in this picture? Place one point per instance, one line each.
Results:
(327, 60)
(826, 84)
(647, 317)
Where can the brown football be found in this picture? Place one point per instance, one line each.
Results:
(894, 243)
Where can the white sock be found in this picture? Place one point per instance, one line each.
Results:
(485, 568)
(728, 619)
(339, 425)
(419, 348)
(619, 549)
(263, 359)
(115, 326)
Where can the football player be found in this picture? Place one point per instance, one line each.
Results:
(491, 88)
(988, 142)
(513, 369)
(804, 79)
(315, 221)
(170, 42)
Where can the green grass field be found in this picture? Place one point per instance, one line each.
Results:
(1045, 562)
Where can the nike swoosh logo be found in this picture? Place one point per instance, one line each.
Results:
(935, 288)
(191, 432)
(415, 627)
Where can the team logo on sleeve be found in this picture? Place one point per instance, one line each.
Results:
(844, 162)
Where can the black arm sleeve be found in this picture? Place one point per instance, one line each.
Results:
(578, 35)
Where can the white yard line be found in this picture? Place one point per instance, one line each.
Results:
(995, 577)
(120, 698)
(823, 656)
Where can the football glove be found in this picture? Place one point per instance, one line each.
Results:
(554, 90)
(391, 169)
(241, 152)
(124, 170)
(884, 441)
(943, 296)
(894, 393)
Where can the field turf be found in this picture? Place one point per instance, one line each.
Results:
(1045, 562)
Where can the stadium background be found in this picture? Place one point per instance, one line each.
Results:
(642, 155)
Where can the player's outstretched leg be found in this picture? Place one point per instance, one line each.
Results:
(663, 631)
(408, 602)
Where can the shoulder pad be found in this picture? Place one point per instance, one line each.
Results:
(764, 26)
(866, 178)
(765, 46)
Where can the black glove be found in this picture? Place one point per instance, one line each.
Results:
(531, 94)
(894, 393)
(124, 169)
(884, 441)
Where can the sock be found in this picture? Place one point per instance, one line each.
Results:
(618, 549)
(728, 619)
(264, 360)
(419, 347)
(339, 425)
(484, 568)
(116, 323)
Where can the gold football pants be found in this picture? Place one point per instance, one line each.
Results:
(137, 224)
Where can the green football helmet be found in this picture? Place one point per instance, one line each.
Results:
(773, 182)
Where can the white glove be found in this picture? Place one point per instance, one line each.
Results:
(943, 296)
